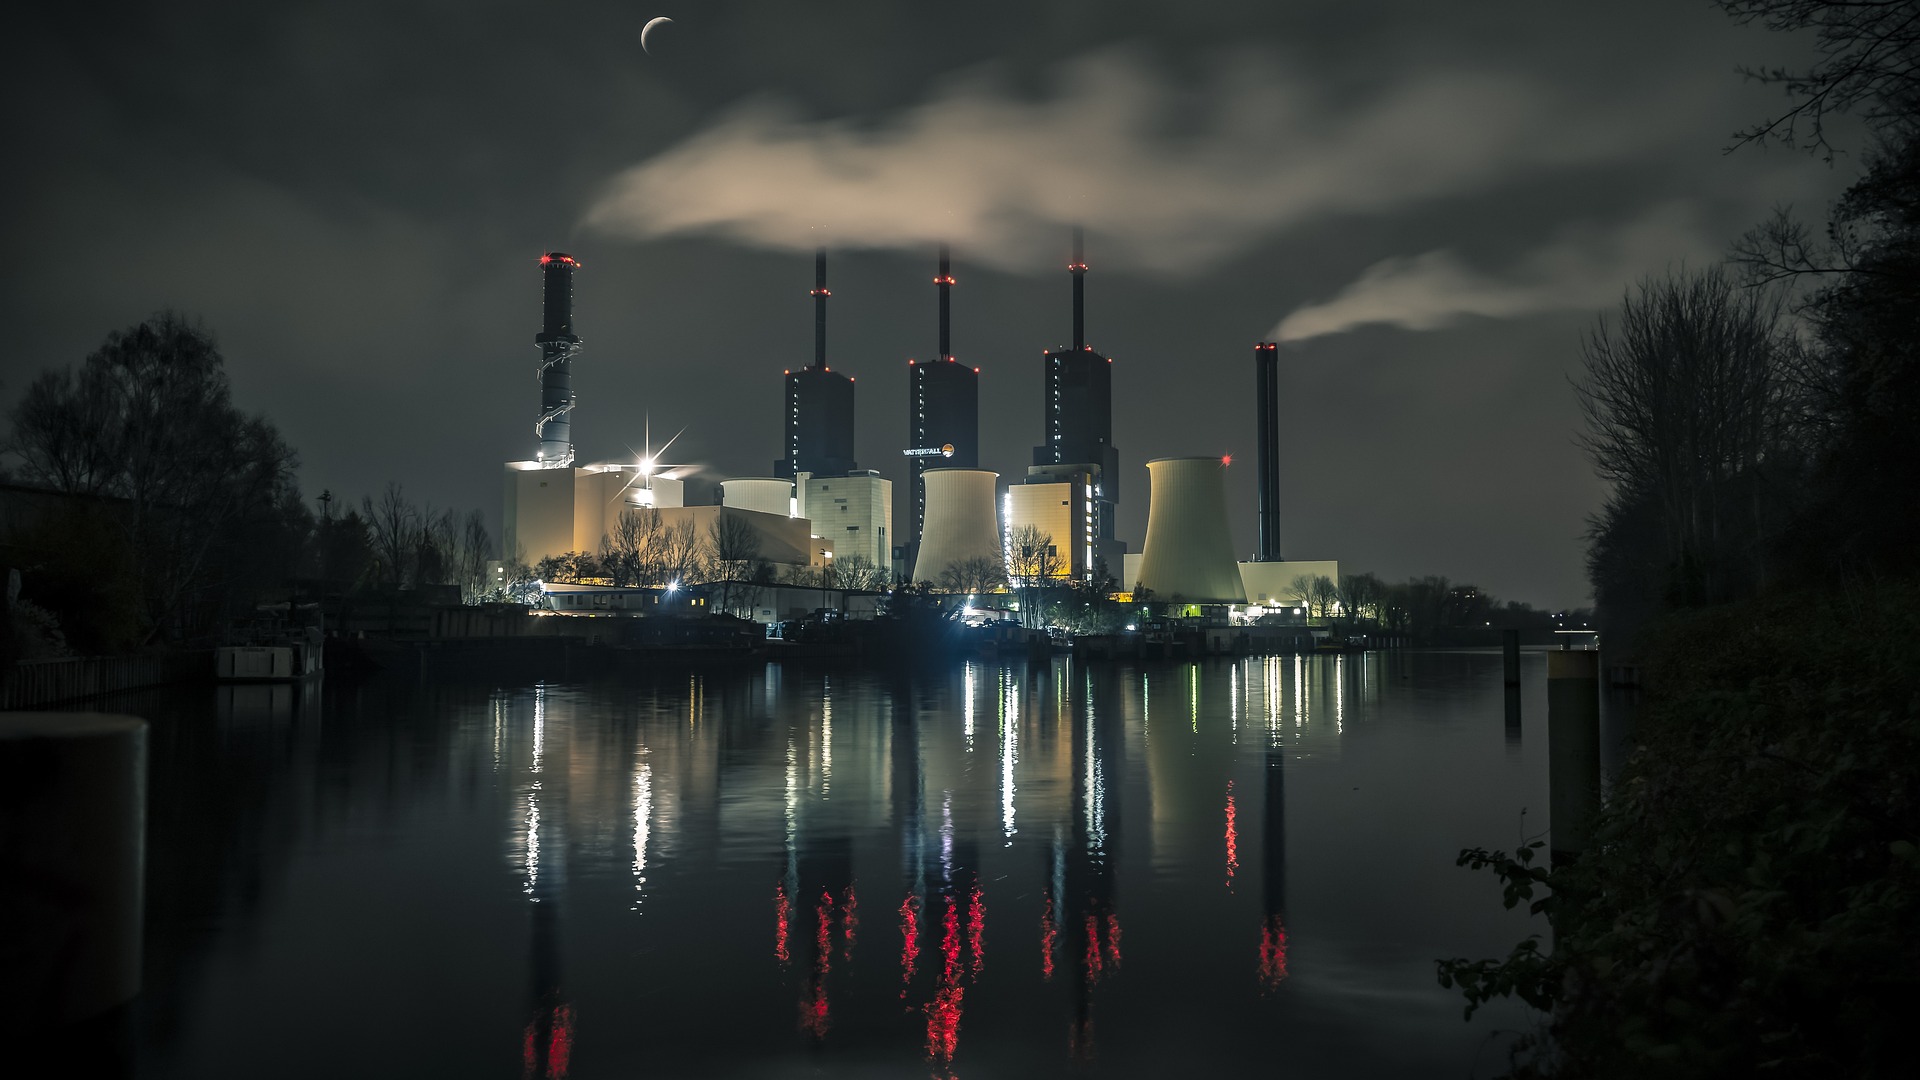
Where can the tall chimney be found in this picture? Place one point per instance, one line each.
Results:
(557, 343)
(945, 281)
(1266, 369)
(820, 295)
(1079, 271)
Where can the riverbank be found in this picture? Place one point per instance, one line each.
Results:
(1749, 902)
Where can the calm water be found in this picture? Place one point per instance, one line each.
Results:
(985, 871)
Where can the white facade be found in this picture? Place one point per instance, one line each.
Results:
(853, 513)
(1270, 584)
(1061, 509)
(764, 494)
(1189, 553)
(554, 511)
(962, 522)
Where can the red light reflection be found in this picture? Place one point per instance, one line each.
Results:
(909, 940)
(1233, 839)
(1049, 939)
(1273, 953)
(849, 922)
(782, 912)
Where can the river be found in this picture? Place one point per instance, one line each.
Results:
(981, 870)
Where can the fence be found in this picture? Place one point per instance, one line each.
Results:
(47, 682)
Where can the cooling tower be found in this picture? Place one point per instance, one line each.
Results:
(1189, 552)
(764, 494)
(962, 522)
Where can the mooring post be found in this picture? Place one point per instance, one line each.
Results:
(1510, 650)
(1573, 749)
(73, 797)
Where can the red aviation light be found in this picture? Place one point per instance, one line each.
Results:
(946, 280)
(819, 292)
(976, 371)
(1226, 460)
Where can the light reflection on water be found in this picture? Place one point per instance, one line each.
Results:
(1267, 881)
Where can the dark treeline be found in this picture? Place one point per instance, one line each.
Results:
(1747, 905)
(144, 509)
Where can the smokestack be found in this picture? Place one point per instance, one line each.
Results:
(820, 295)
(557, 344)
(1079, 271)
(945, 281)
(1266, 371)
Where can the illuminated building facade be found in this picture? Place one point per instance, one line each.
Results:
(1058, 501)
(852, 512)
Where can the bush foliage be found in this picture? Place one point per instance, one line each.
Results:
(1750, 903)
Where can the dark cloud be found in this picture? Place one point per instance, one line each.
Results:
(353, 194)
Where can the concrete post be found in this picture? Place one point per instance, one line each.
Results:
(73, 819)
(1573, 749)
(1510, 650)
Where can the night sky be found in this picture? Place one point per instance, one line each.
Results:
(1428, 202)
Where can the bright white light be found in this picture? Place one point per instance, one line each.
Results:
(673, 586)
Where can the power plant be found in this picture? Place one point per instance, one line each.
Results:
(1266, 398)
(819, 413)
(819, 511)
(943, 410)
(1077, 418)
(558, 344)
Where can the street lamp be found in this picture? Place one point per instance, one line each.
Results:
(826, 574)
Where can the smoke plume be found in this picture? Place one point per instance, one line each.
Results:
(1171, 179)
(1585, 267)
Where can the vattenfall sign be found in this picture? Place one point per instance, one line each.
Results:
(945, 450)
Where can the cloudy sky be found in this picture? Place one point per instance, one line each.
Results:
(1426, 202)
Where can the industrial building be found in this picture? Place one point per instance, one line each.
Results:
(1077, 416)
(1059, 501)
(819, 403)
(962, 523)
(943, 410)
(1189, 550)
(819, 506)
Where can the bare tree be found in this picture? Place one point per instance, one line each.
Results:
(732, 547)
(1034, 565)
(982, 573)
(1301, 589)
(1323, 594)
(681, 561)
(393, 526)
(148, 420)
(1868, 62)
(860, 574)
(1686, 407)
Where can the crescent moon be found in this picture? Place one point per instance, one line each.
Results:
(648, 29)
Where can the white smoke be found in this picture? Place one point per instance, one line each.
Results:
(1168, 179)
(1584, 267)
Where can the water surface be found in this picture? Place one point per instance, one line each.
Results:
(1241, 867)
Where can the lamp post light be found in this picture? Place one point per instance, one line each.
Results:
(826, 575)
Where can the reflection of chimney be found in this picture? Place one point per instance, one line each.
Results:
(820, 295)
(1266, 368)
(1079, 271)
